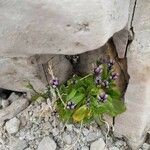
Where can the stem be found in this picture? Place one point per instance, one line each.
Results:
(60, 97)
(108, 129)
(86, 76)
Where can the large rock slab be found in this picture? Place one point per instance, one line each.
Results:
(135, 122)
(18, 71)
(58, 27)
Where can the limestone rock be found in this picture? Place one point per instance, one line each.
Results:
(13, 97)
(12, 110)
(59, 27)
(134, 123)
(19, 145)
(47, 143)
(99, 144)
(120, 40)
(17, 72)
(12, 126)
(4, 103)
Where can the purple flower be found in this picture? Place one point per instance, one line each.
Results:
(54, 82)
(102, 97)
(105, 83)
(97, 70)
(70, 105)
(114, 75)
(110, 64)
(97, 80)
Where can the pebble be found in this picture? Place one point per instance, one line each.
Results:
(13, 97)
(98, 145)
(67, 138)
(12, 126)
(4, 103)
(19, 145)
(146, 146)
(114, 148)
(47, 143)
(85, 148)
(91, 137)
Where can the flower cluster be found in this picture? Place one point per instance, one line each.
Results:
(104, 82)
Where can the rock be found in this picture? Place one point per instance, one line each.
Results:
(98, 145)
(28, 149)
(119, 143)
(135, 122)
(12, 110)
(91, 137)
(69, 127)
(67, 138)
(17, 72)
(47, 143)
(13, 97)
(146, 146)
(12, 126)
(19, 145)
(120, 40)
(4, 103)
(83, 29)
(55, 131)
(85, 148)
(114, 148)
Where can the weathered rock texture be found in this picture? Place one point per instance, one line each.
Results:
(135, 122)
(18, 71)
(58, 27)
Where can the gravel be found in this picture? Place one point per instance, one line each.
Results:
(36, 128)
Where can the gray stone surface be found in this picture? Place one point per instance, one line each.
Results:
(47, 143)
(99, 144)
(59, 27)
(120, 40)
(12, 126)
(19, 145)
(17, 72)
(12, 110)
(135, 122)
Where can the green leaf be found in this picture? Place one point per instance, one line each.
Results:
(114, 92)
(78, 98)
(80, 113)
(71, 94)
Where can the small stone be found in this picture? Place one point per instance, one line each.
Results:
(85, 148)
(4, 103)
(47, 143)
(146, 146)
(13, 97)
(92, 136)
(67, 138)
(114, 148)
(28, 149)
(55, 131)
(98, 145)
(85, 131)
(19, 145)
(69, 127)
(119, 143)
(13, 109)
(12, 126)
